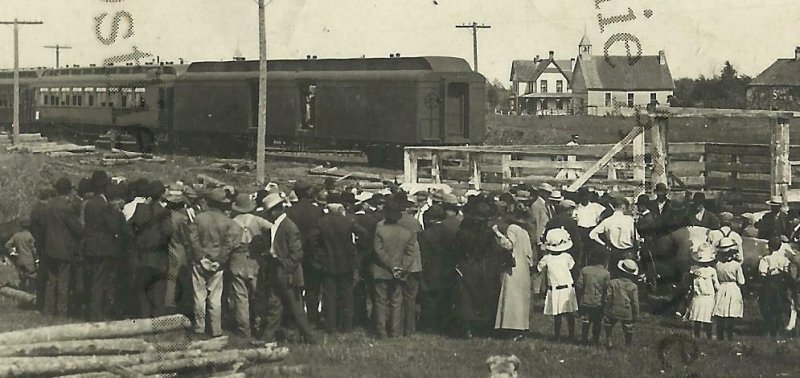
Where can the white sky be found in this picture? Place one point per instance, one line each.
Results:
(698, 36)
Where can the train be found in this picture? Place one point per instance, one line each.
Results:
(375, 105)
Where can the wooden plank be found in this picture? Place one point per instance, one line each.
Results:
(436, 174)
(409, 166)
(605, 159)
(505, 165)
(659, 151)
(638, 158)
(737, 184)
(737, 167)
(476, 170)
(738, 149)
(735, 113)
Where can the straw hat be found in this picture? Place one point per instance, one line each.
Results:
(628, 266)
(558, 240)
(726, 244)
(556, 196)
(775, 201)
(174, 193)
(218, 195)
(567, 204)
(705, 253)
(546, 187)
(272, 200)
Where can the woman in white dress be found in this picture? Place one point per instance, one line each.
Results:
(513, 309)
(729, 304)
(561, 300)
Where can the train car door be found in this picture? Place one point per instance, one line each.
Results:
(455, 110)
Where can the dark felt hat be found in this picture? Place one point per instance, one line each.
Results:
(100, 180)
(63, 185)
(435, 213)
(661, 188)
(392, 212)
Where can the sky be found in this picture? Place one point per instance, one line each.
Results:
(698, 36)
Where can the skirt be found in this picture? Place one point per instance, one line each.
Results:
(729, 303)
(560, 301)
(702, 308)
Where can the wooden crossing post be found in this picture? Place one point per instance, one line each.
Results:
(781, 173)
(436, 170)
(660, 149)
(605, 159)
(409, 166)
(475, 168)
(638, 159)
(505, 164)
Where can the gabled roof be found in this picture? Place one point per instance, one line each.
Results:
(617, 73)
(529, 70)
(784, 72)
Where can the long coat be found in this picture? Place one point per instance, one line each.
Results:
(513, 309)
(62, 230)
(436, 245)
(103, 225)
(151, 226)
(333, 241)
(305, 215)
(772, 225)
(288, 247)
(395, 246)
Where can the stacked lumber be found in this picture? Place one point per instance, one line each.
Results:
(121, 157)
(37, 144)
(342, 174)
(117, 349)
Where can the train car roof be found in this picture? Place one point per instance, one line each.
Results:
(112, 70)
(426, 63)
(23, 74)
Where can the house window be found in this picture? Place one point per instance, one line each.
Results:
(543, 86)
(559, 86)
(630, 99)
(653, 98)
(559, 105)
(608, 99)
(91, 100)
(544, 104)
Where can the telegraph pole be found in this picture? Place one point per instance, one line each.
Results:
(474, 26)
(16, 23)
(58, 50)
(261, 142)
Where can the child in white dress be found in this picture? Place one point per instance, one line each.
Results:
(561, 300)
(729, 304)
(703, 289)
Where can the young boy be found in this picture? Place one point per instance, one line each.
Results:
(622, 301)
(22, 251)
(592, 284)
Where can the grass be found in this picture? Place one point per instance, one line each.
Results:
(358, 355)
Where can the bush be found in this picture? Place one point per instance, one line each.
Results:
(21, 176)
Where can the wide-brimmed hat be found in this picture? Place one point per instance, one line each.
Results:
(449, 199)
(628, 266)
(705, 253)
(392, 211)
(726, 217)
(522, 195)
(174, 193)
(556, 196)
(661, 188)
(244, 203)
(546, 187)
(726, 244)
(567, 204)
(363, 197)
(99, 181)
(272, 200)
(557, 240)
(218, 195)
(63, 185)
(775, 201)
(435, 213)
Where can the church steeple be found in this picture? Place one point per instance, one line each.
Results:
(585, 47)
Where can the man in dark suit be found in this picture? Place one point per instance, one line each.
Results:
(306, 215)
(435, 245)
(775, 223)
(700, 215)
(102, 225)
(647, 228)
(38, 224)
(62, 234)
(333, 241)
(283, 276)
(367, 217)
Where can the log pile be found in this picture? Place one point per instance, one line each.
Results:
(122, 157)
(118, 349)
(37, 144)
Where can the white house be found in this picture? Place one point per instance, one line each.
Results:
(615, 84)
(541, 86)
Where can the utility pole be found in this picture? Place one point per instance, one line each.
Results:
(16, 23)
(474, 26)
(261, 142)
(58, 50)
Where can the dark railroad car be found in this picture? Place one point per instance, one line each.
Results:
(90, 101)
(27, 111)
(373, 104)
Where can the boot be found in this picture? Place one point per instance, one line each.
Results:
(571, 327)
(608, 338)
(628, 339)
(585, 333)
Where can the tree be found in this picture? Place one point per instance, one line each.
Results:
(728, 90)
(497, 96)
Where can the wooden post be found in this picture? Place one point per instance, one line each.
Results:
(781, 169)
(505, 164)
(476, 170)
(436, 170)
(261, 135)
(659, 151)
(638, 159)
(409, 166)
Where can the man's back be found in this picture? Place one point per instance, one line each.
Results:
(62, 230)
(337, 250)
(217, 236)
(102, 224)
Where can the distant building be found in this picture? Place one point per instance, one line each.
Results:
(541, 86)
(778, 87)
(614, 84)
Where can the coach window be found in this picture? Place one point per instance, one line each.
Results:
(608, 99)
(653, 98)
(630, 100)
(90, 100)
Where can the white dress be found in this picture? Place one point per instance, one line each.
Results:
(729, 303)
(561, 297)
(514, 307)
(704, 287)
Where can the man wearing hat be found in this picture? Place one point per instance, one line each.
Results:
(367, 217)
(726, 231)
(178, 291)
(243, 265)
(647, 230)
(411, 282)
(104, 224)
(619, 232)
(701, 217)
(588, 215)
(539, 213)
(282, 275)
(62, 235)
(306, 216)
(775, 223)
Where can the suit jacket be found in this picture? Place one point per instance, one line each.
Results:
(333, 241)
(62, 230)
(395, 246)
(708, 220)
(288, 247)
(103, 224)
(435, 245)
(151, 227)
(772, 225)
(305, 215)
(539, 215)
(366, 243)
(412, 224)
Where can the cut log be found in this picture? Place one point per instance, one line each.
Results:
(210, 180)
(204, 361)
(210, 345)
(78, 348)
(100, 330)
(51, 366)
(19, 295)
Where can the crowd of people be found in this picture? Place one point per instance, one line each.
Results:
(287, 263)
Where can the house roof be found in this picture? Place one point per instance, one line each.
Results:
(529, 70)
(784, 72)
(616, 72)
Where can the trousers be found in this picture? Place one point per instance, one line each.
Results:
(101, 273)
(56, 289)
(151, 284)
(388, 308)
(313, 287)
(410, 290)
(207, 297)
(279, 295)
(242, 289)
(337, 301)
